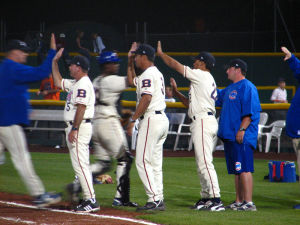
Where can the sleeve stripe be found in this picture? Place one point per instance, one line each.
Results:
(63, 84)
(184, 73)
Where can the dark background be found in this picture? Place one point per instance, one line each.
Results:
(222, 25)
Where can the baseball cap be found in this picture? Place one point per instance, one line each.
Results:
(208, 58)
(18, 45)
(145, 49)
(108, 57)
(281, 79)
(81, 61)
(62, 35)
(238, 63)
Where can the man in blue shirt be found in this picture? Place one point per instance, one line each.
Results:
(14, 113)
(293, 114)
(238, 128)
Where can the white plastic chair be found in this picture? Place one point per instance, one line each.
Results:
(275, 133)
(176, 121)
(262, 122)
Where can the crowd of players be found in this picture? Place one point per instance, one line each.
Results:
(91, 113)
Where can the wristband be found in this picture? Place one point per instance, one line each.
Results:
(242, 129)
(74, 128)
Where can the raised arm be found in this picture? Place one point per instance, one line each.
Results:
(169, 61)
(176, 93)
(130, 68)
(55, 71)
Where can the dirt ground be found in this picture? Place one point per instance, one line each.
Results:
(24, 213)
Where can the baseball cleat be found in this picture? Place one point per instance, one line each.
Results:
(47, 199)
(246, 206)
(153, 206)
(213, 206)
(89, 205)
(198, 205)
(233, 205)
(118, 202)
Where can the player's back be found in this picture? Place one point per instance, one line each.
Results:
(107, 91)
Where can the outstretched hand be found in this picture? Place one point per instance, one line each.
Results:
(287, 53)
(58, 55)
(52, 42)
(173, 84)
(159, 49)
(132, 49)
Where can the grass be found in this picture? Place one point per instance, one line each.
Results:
(181, 189)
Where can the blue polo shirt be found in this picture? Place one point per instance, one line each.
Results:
(238, 100)
(14, 80)
(293, 114)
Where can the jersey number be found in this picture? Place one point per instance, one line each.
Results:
(213, 95)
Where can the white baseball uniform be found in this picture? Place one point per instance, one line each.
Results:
(153, 130)
(108, 134)
(204, 127)
(80, 92)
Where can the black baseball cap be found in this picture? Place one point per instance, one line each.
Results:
(18, 45)
(81, 61)
(237, 63)
(145, 49)
(206, 57)
(281, 79)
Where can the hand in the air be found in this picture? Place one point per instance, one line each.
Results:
(52, 42)
(159, 49)
(58, 54)
(287, 53)
(173, 84)
(132, 49)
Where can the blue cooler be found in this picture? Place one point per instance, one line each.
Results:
(282, 171)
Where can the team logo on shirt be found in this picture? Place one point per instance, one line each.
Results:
(81, 93)
(238, 166)
(146, 83)
(233, 95)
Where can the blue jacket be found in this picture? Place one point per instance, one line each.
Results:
(238, 100)
(14, 80)
(293, 114)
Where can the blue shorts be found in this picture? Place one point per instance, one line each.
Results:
(239, 157)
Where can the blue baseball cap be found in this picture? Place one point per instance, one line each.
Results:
(108, 57)
(145, 49)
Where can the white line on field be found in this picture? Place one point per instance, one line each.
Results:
(85, 214)
(17, 220)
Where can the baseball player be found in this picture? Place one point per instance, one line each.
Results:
(238, 129)
(153, 122)
(292, 119)
(108, 135)
(15, 108)
(78, 113)
(204, 126)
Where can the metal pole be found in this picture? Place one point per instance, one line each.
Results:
(286, 29)
(145, 32)
(275, 25)
(136, 31)
(253, 27)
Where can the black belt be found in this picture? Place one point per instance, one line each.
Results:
(101, 103)
(156, 112)
(208, 113)
(84, 120)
